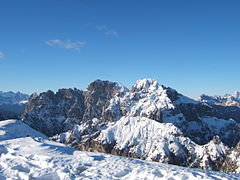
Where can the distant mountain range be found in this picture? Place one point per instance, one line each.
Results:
(12, 104)
(226, 100)
(12, 97)
(148, 121)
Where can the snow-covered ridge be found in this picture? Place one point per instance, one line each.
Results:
(32, 156)
(147, 139)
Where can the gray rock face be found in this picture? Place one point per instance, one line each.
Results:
(78, 118)
(56, 113)
(47, 112)
(97, 99)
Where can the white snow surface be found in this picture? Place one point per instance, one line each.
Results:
(38, 158)
(11, 129)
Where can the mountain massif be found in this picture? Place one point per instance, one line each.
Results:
(148, 121)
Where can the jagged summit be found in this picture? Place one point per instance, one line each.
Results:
(101, 84)
(149, 85)
(145, 84)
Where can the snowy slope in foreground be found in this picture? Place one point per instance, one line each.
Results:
(37, 157)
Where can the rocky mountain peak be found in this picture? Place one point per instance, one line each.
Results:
(101, 87)
(146, 85)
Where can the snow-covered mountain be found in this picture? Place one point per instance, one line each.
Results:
(149, 121)
(12, 104)
(27, 154)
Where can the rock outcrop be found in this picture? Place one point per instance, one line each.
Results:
(232, 161)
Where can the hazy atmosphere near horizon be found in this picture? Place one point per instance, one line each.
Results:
(191, 46)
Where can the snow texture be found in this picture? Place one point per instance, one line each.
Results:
(37, 157)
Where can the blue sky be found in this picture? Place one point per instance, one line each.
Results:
(191, 46)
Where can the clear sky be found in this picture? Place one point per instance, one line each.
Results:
(190, 45)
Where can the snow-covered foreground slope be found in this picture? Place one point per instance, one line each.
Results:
(27, 154)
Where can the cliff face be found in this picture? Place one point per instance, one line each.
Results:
(52, 113)
(56, 113)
